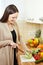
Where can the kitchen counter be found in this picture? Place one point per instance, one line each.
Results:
(25, 63)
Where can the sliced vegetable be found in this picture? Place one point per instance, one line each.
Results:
(28, 55)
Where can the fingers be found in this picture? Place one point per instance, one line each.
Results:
(14, 45)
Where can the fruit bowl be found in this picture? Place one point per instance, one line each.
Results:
(33, 42)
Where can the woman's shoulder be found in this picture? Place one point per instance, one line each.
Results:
(1, 25)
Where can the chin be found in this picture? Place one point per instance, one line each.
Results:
(12, 23)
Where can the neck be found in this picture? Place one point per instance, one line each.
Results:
(10, 26)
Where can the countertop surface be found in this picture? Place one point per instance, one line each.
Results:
(25, 63)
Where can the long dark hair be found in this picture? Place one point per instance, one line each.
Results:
(9, 10)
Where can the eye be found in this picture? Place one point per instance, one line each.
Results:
(14, 17)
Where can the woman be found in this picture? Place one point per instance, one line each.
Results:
(9, 36)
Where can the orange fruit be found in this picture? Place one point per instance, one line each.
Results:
(40, 46)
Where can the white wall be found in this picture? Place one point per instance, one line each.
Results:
(28, 8)
(18, 3)
(33, 9)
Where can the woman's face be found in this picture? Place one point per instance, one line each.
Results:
(12, 18)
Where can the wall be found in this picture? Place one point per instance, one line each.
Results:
(33, 9)
(27, 30)
(18, 3)
(27, 8)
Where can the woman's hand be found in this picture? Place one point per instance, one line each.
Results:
(14, 45)
(11, 43)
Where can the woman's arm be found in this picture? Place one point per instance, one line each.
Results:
(7, 43)
(4, 43)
